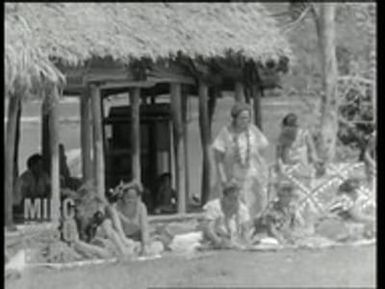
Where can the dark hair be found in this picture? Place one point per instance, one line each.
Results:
(164, 176)
(349, 186)
(230, 187)
(132, 186)
(238, 108)
(290, 120)
(33, 160)
(285, 188)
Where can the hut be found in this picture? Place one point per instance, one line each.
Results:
(144, 50)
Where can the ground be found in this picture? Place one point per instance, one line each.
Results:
(337, 267)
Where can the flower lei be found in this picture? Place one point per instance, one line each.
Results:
(244, 163)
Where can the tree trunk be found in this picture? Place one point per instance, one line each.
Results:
(205, 140)
(329, 105)
(9, 158)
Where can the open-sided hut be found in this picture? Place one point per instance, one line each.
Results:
(103, 49)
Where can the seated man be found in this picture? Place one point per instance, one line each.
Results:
(166, 196)
(33, 183)
(226, 220)
(279, 220)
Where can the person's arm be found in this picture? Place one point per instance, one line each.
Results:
(209, 231)
(116, 222)
(144, 228)
(311, 148)
(220, 166)
(367, 155)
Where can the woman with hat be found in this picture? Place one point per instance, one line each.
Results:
(237, 152)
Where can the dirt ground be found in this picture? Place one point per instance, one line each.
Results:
(335, 267)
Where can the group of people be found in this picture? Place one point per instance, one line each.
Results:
(242, 215)
(245, 212)
(35, 183)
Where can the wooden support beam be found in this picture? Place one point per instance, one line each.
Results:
(45, 146)
(205, 140)
(135, 133)
(185, 141)
(98, 140)
(17, 141)
(9, 158)
(257, 92)
(239, 92)
(86, 135)
(54, 150)
(176, 112)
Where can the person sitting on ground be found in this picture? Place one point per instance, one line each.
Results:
(96, 232)
(33, 183)
(129, 217)
(166, 196)
(346, 219)
(226, 221)
(280, 219)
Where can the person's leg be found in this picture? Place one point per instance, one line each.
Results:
(110, 232)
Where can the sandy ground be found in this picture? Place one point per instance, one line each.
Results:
(336, 267)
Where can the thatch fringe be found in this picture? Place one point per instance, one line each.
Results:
(37, 34)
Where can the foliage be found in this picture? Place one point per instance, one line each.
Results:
(356, 57)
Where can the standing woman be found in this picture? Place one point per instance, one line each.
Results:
(237, 157)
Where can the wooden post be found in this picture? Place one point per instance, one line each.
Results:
(239, 92)
(135, 133)
(98, 141)
(54, 150)
(45, 146)
(179, 150)
(185, 141)
(17, 141)
(9, 158)
(85, 135)
(205, 140)
(257, 92)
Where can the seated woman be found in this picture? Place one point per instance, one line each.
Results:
(95, 233)
(226, 221)
(346, 219)
(279, 221)
(129, 217)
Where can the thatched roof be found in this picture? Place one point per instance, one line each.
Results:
(75, 32)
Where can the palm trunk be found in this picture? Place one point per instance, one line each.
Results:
(329, 105)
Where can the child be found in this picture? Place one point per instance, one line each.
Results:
(226, 219)
(279, 219)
